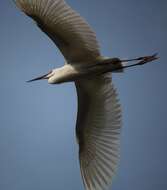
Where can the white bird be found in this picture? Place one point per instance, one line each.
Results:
(99, 114)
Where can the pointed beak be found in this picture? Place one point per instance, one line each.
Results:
(46, 76)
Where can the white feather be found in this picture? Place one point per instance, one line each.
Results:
(69, 31)
(98, 131)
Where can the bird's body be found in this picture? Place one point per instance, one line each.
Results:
(99, 115)
(75, 72)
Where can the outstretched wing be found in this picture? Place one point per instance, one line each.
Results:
(98, 131)
(69, 31)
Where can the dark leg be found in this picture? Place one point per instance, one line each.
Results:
(142, 61)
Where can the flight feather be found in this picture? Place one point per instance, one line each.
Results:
(98, 131)
(68, 30)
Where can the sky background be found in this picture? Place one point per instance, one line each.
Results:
(37, 121)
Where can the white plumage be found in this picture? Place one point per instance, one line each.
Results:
(98, 131)
(64, 26)
(99, 114)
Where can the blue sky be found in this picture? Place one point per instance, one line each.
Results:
(37, 121)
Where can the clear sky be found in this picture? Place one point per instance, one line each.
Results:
(37, 121)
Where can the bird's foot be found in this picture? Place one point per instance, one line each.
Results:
(146, 59)
(142, 60)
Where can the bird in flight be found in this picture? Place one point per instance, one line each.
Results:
(98, 122)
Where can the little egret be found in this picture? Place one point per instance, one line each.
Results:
(99, 115)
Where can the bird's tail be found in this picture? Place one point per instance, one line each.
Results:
(112, 64)
(119, 67)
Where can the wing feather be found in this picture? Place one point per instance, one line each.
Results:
(98, 131)
(68, 30)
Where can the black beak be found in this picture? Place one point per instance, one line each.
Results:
(46, 76)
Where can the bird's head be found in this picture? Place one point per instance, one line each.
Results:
(47, 76)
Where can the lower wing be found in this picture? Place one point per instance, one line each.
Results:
(98, 131)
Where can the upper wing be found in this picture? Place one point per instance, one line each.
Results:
(69, 31)
(98, 131)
